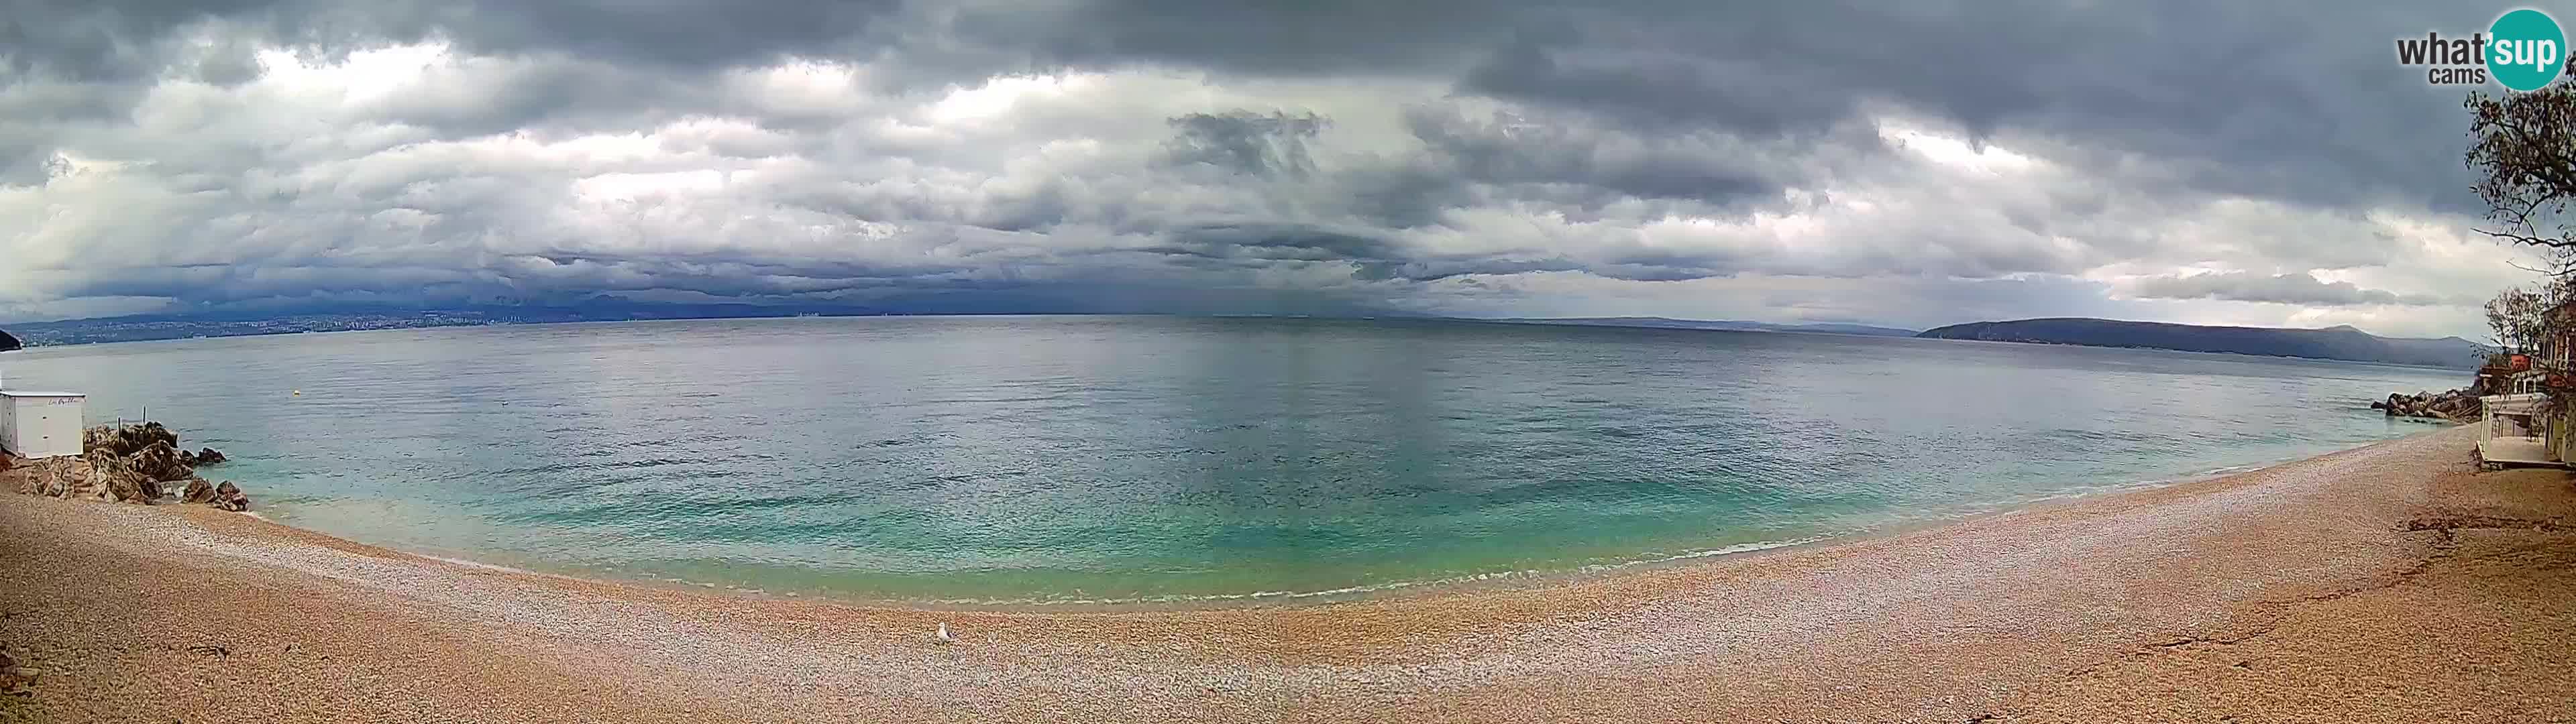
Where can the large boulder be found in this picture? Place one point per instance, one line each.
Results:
(204, 456)
(120, 481)
(198, 491)
(159, 461)
(228, 497)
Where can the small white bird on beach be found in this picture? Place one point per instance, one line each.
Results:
(943, 634)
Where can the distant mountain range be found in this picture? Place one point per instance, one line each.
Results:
(2335, 343)
(233, 324)
(181, 326)
(1721, 324)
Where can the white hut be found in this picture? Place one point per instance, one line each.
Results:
(41, 424)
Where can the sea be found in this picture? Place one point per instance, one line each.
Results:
(1049, 460)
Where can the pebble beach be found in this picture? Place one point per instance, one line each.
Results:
(2389, 583)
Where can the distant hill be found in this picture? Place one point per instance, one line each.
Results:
(335, 316)
(1722, 324)
(180, 326)
(2336, 343)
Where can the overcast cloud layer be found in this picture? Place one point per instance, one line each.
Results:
(2215, 162)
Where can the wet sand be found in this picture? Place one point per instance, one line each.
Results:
(2387, 583)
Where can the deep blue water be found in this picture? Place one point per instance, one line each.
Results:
(1118, 458)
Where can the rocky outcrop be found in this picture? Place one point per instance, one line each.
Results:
(78, 477)
(130, 462)
(126, 464)
(122, 440)
(49, 477)
(123, 480)
(2453, 406)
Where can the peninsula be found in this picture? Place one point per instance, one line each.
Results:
(2334, 343)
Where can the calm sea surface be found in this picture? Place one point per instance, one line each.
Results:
(1046, 459)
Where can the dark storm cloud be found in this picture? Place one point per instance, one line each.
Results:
(1405, 196)
(1323, 37)
(1271, 144)
(675, 34)
(2301, 288)
(97, 42)
(2239, 90)
(1661, 89)
(1507, 150)
(117, 40)
(1232, 241)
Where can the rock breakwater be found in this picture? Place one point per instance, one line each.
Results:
(126, 463)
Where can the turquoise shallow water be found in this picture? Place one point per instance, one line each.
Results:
(1051, 459)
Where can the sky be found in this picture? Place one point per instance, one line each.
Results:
(1904, 164)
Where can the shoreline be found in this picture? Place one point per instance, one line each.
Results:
(2371, 584)
(1394, 590)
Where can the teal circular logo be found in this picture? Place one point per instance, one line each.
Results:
(2525, 49)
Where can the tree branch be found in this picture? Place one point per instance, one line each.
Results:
(2530, 240)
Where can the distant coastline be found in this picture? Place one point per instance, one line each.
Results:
(2332, 343)
(2341, 343)
(150, 327)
